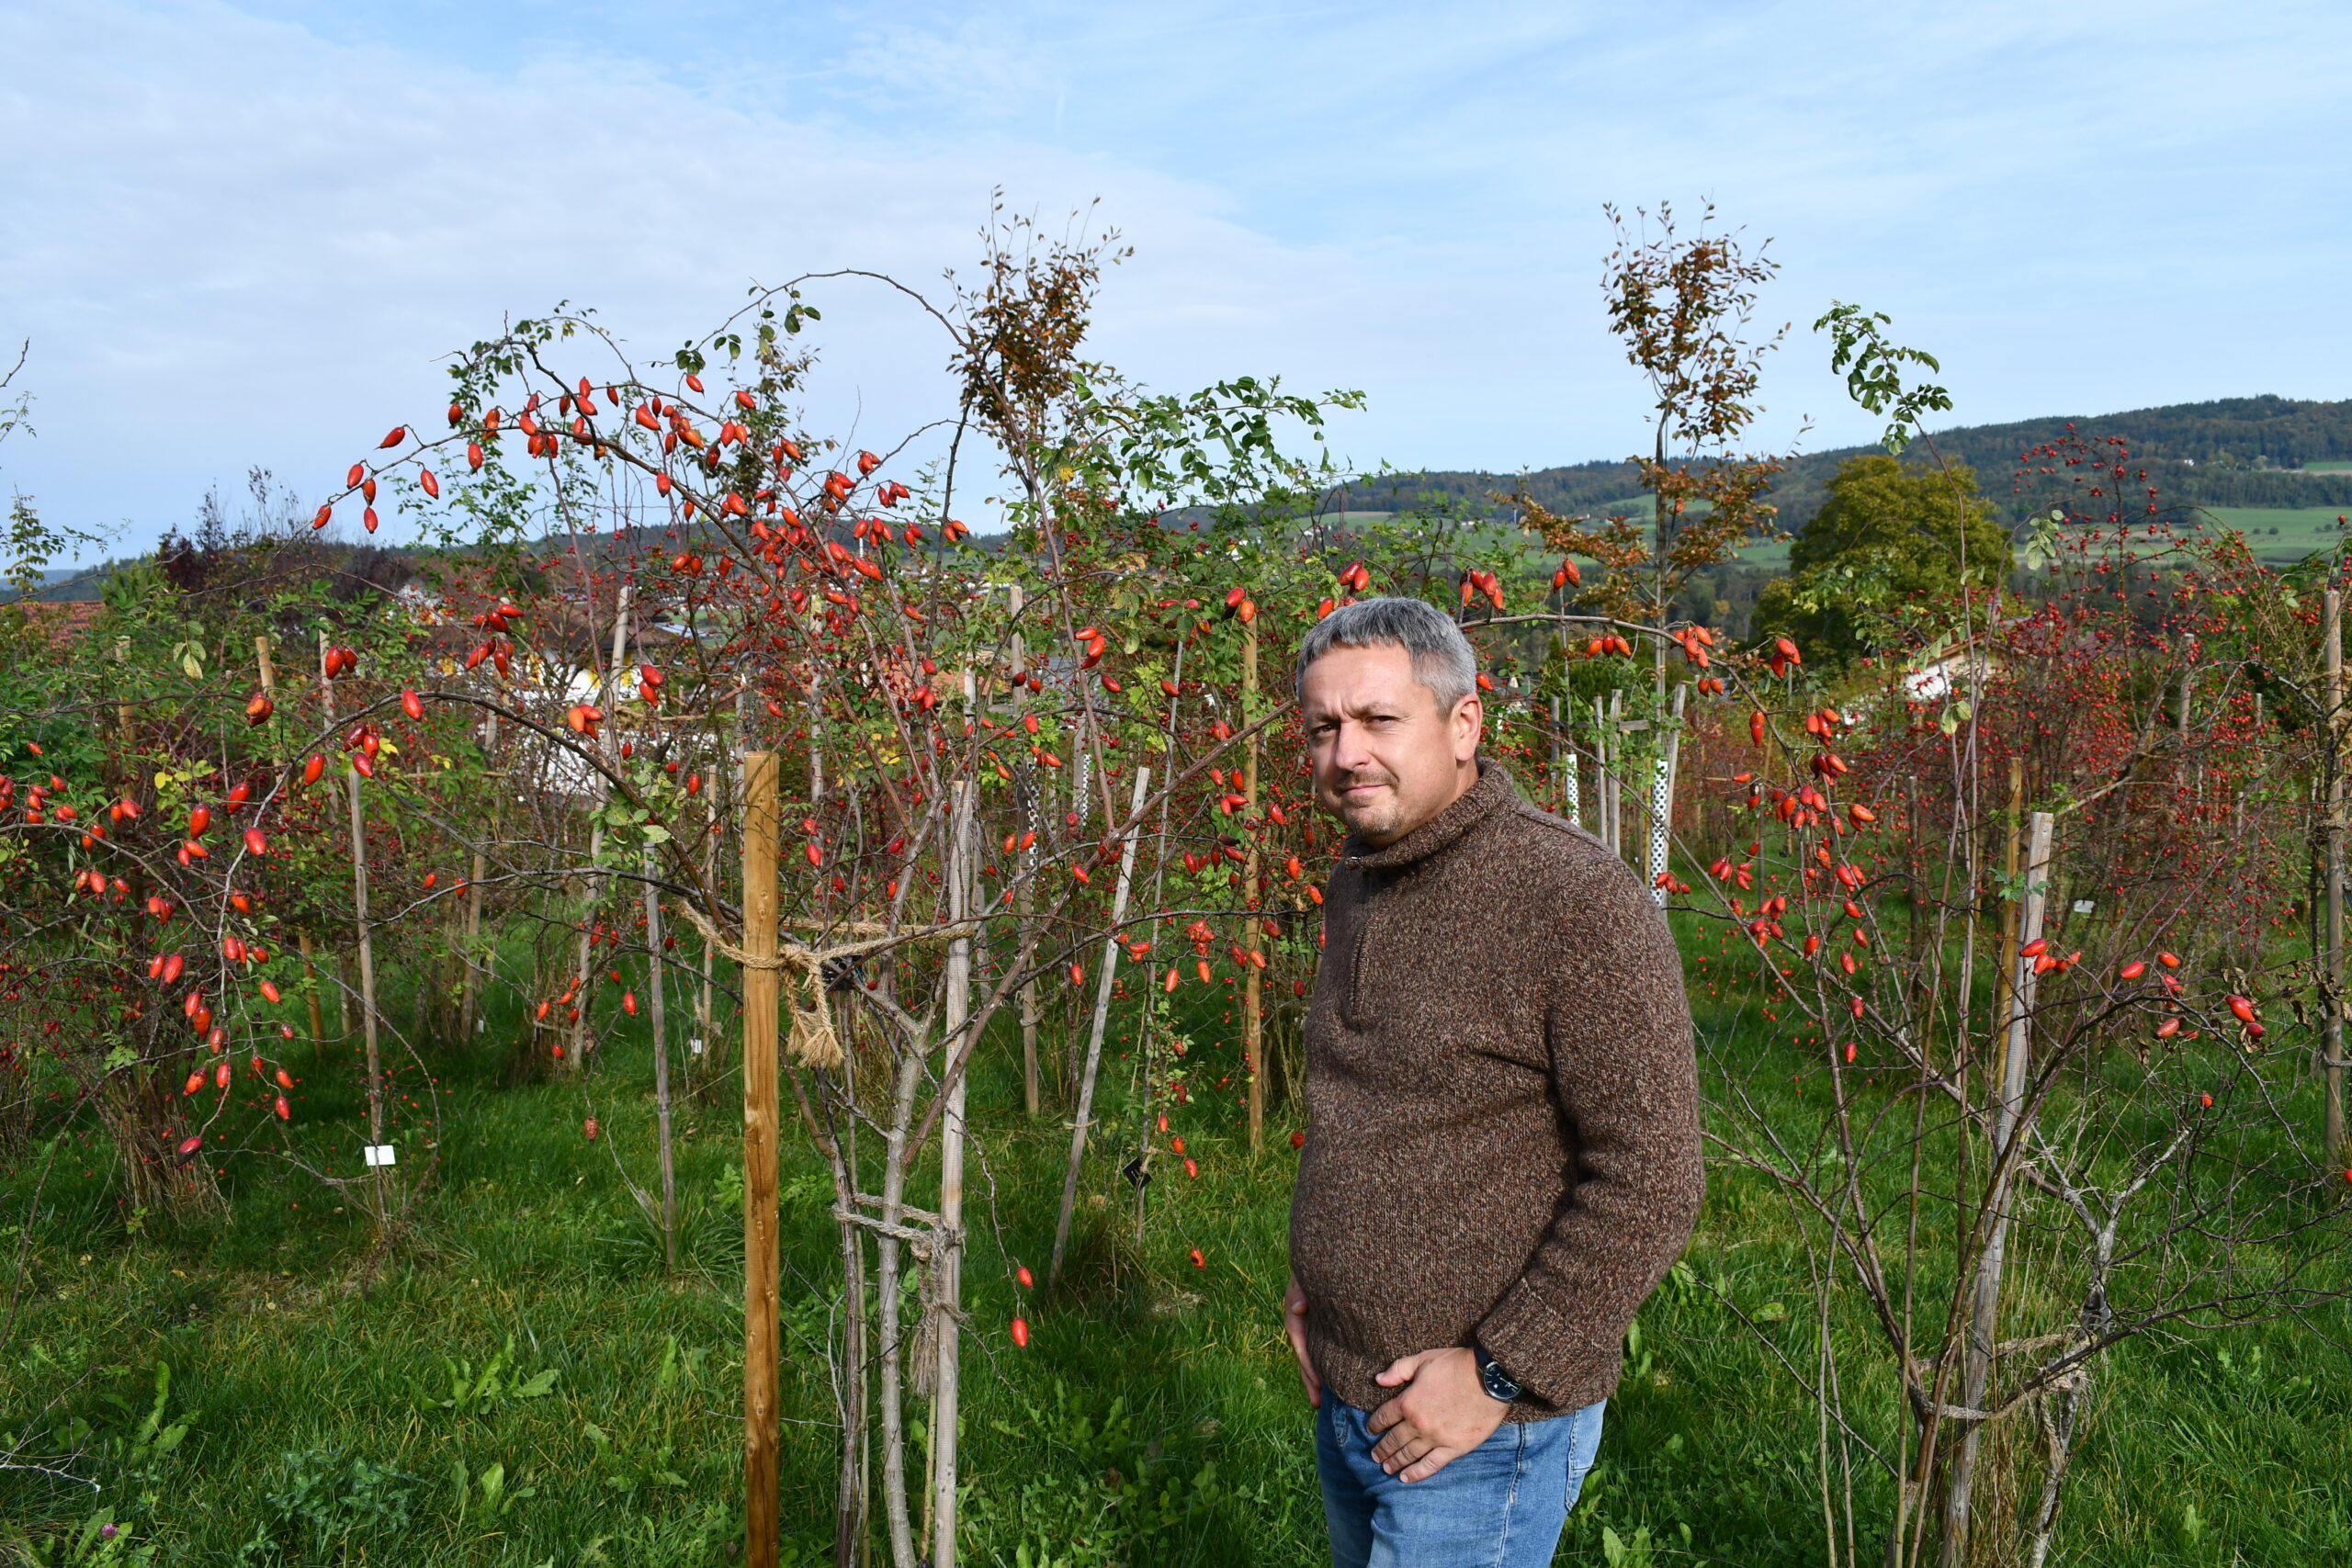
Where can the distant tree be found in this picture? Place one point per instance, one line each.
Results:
(1880, 558)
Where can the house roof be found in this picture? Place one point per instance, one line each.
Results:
(61, 622)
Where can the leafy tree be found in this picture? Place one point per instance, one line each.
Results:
(1882, 558)
(1683, 308)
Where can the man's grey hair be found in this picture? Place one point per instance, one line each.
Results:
(1442, 657)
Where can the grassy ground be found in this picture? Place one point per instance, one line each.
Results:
(523, 1387)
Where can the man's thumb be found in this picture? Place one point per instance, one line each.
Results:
(1402, 1369)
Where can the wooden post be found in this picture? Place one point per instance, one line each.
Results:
(1612, 802)
(2005, 983)
(705, 1046)
(318, 1020)
(660, 1069)
(1254, 1017)
(467, 1021)
(595, 882)
(1024, 820)
(2023, 986)
(1601, 771)
(761, 828)
(2334, 1138)
(947, 1249)
(1983, 1319)
(301, 939)
(1101, 1016)
(122, 711)
(366, 957)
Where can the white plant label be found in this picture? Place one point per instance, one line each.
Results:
(381, 1154)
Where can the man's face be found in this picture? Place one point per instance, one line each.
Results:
(1386, 760)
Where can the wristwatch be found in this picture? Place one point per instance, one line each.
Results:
(1498, 1383)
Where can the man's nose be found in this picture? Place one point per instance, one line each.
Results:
(1348, 751)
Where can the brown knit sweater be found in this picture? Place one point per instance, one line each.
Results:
(1504, 1142)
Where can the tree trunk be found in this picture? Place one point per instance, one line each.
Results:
(1101, 1016)
(946, 1259)
(1984, 1317)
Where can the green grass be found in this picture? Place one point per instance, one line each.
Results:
(1154, 1419)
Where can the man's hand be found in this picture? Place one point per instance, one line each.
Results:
(1294, 1320)
(1444, 1413)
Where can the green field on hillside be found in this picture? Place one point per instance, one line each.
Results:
(2283, 533)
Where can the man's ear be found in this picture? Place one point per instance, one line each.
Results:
(1469, 723)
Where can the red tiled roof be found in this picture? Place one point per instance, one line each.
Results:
(63, 622)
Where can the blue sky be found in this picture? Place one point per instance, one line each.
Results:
(245, 234)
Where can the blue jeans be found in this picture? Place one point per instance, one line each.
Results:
(1500, 1506)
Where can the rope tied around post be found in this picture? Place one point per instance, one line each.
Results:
(814, 1041)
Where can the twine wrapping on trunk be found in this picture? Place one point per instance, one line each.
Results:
(813, 1040)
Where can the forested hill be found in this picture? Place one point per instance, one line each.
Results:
(2230, 452)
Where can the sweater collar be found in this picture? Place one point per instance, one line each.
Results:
(1481, 800)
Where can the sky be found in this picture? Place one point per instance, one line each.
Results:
(240, 235)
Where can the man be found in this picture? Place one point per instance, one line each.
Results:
(1503, 1155)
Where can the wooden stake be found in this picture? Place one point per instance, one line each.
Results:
(301, 939)
(704, 1043)
(1616, 778)
(760, 827)
(367, 957)
(577, 1059)
(466, 1014)
(2005, 983)
(1253, 1016)
(1101, 1016)
(947, 1251)
(318, 1020)
(122, 710)
(2334, 1139)
(1024, 821)
(660, 1069)
(1605, 738)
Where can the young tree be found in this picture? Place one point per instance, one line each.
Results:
(1683, 307)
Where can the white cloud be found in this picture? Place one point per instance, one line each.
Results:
(251, 245)
(246, 238)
